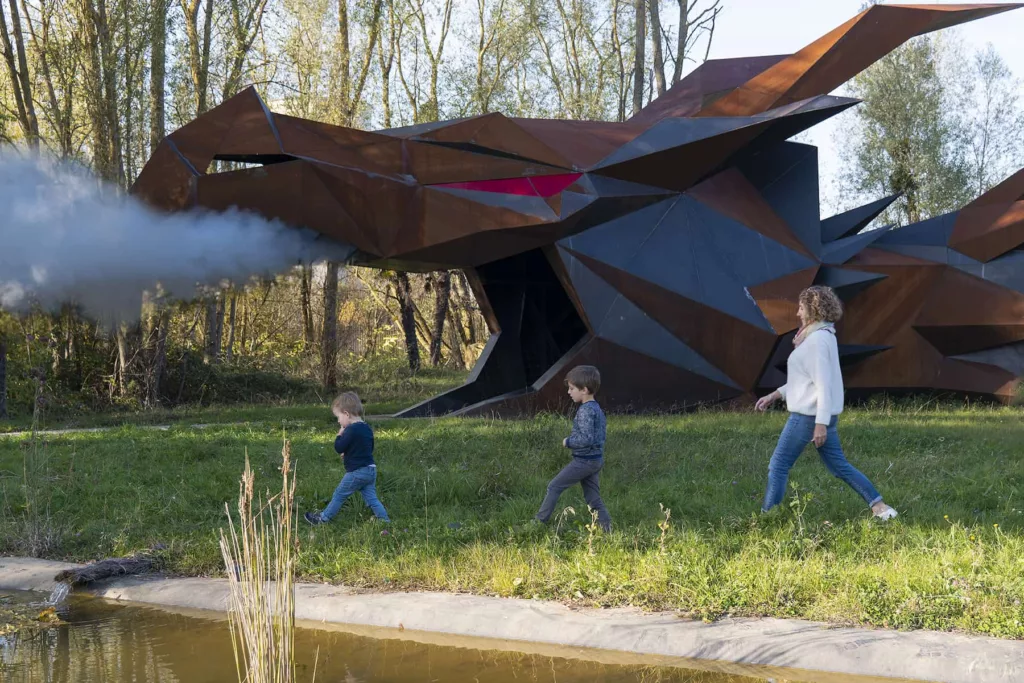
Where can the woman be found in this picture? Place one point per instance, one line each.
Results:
(814, 397)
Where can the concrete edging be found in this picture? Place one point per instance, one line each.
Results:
(824, 653)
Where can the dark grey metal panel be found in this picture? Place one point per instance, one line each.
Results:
(630, 327)
(847, 283)
(851, 222)
(841, 251)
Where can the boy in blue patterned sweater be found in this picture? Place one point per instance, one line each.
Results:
(587, 444)
(354, 443)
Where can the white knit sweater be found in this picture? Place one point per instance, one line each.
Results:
(814, 382)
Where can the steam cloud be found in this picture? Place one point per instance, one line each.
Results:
(64, 238)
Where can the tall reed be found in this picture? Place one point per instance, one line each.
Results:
(260, 563)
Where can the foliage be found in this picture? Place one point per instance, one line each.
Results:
(264, 358)
(461, 492)
(936, 125)
(910, 137)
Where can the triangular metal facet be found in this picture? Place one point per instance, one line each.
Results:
(853, 221)
(847, 283)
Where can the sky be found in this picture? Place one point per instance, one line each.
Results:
(748, 28)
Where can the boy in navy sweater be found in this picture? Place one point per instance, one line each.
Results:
(587, 444)
(355, 444)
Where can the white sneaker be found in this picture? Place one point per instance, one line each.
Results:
(887, 514)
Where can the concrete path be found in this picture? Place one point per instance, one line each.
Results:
(819, 650)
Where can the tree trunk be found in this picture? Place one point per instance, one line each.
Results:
(344, 60)
(158, 74)
(640, 63)
(58, 118)
(110, 66)
(214, 317)
(3, 378)
(307, 306)
(21, 80)
(101, 91)
(387, 60)
(25, 77)
(158, 362)
(122, 360)
(329, 339)
(204, 74)
(681, 37)
(456, 336)
(659, 58)
(442, 295)
(246, 26)
(466, 299)
(198, 50)
(230, 351)
(403, 289)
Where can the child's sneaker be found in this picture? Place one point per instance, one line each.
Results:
(887, 514)
(314, 518)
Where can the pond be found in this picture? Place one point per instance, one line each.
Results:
(108, 642)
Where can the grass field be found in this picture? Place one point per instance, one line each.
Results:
(461, 492)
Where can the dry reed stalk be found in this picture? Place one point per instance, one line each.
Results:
(259, 559)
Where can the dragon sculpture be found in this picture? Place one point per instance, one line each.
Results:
(668, 249)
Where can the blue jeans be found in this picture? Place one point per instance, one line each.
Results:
(363, 480)
(587, 473)
(799, 432)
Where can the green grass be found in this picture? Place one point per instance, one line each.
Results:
(383, 394)
(461, 491)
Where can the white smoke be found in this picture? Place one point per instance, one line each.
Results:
(66, 239)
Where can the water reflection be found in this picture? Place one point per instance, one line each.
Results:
(109, 643)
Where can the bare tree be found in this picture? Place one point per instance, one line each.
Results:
(695, 23)
(997, 144)
(640, 60)
(430, 109)
(159, 320)
(101, 76)
(329, 339)
(229, 353)
(47, 51)
(576, 55)
(129, 74)
(386, 57)
(306, 297)
(199, 50)
(403, 291)
(622, 81)
(157, 73)
(659, 58)
(442, 296)
(501, 45)
(246, 22)
(21, 79)
(214, 328)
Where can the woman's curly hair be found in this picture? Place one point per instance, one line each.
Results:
(822, 304)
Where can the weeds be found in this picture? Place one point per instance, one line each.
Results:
(258, 557)
(566, 512)
(591, 530)
(664, 526)
(36, 532)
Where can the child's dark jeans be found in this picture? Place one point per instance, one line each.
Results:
(585, 472)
